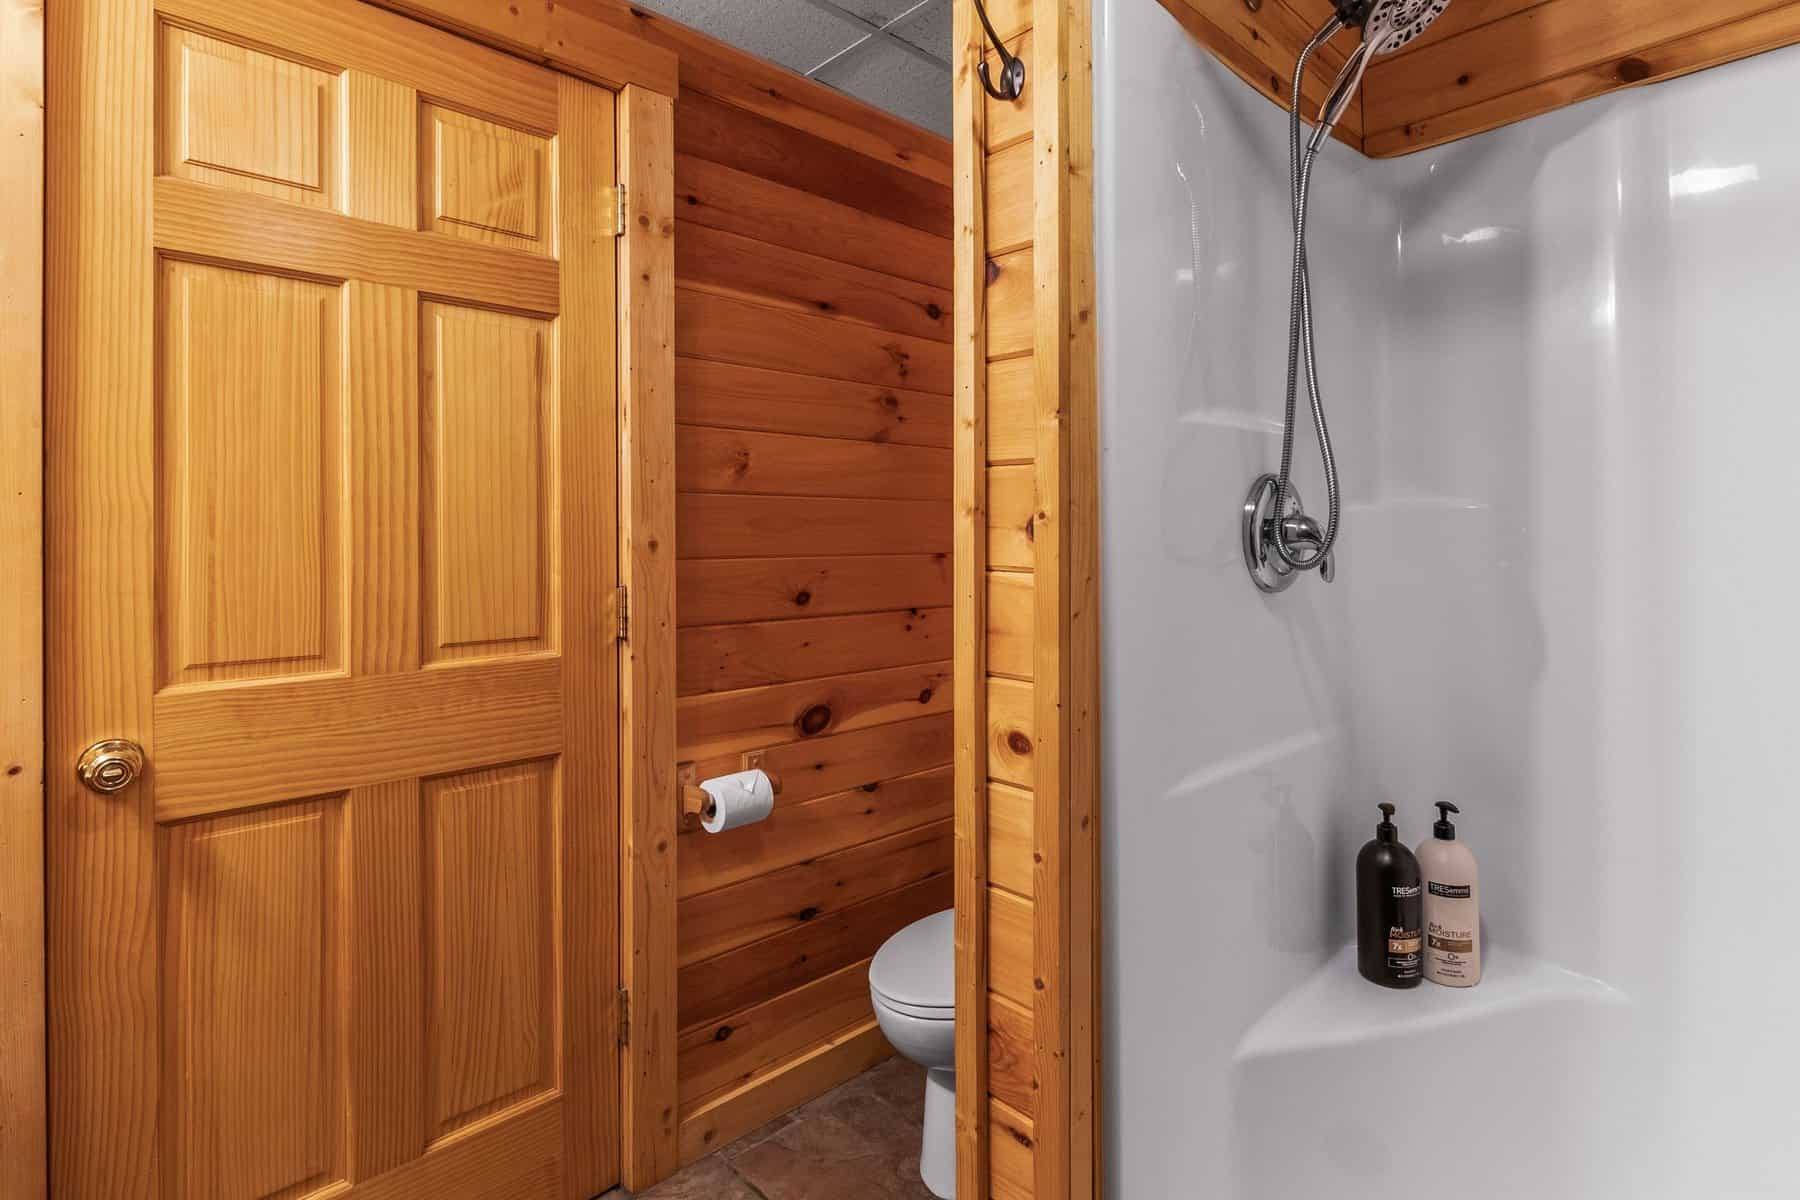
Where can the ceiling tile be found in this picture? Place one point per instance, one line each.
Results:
(929, 29)
(790, 32)
(890, 78)
(801, 35)
(879, 11)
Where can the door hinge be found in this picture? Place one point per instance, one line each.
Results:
(617, 201)
(624, 1016)
(624, 607)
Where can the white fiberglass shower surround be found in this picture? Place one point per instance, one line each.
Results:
(1559, 362)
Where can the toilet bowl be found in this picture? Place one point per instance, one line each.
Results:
(912, 982)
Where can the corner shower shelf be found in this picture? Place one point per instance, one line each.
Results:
(1335, 1007)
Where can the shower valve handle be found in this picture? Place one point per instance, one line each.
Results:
(1269, 568)
(1300, 530)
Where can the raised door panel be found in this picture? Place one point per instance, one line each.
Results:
(252, 976)
(485, 181)
(493, 862)
(249, 480)
(489, 475)
(240, 118)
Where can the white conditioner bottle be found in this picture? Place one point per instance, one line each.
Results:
(1452, 905)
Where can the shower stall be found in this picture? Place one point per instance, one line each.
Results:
(1559, 367)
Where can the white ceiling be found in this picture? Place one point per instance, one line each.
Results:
(895, 54)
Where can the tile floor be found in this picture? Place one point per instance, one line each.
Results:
(859, 1141)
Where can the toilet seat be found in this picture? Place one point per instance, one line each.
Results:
(918, 1012)
(914, 972)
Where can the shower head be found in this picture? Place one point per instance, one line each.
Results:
(1390, 24)
(1387, 25)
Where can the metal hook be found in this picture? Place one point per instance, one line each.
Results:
(1012, 70)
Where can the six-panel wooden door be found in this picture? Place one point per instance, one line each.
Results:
(332, 507)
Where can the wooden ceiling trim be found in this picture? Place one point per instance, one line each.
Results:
(1541, 43)
(556, 35)
(1489, 63)
(1463, 16)
(1685, 55)
(1297, 21)
(1260, 48)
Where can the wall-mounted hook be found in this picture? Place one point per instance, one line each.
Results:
(1012, 69)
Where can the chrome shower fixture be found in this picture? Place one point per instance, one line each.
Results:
(1280, 540)
(1270, 571)
(1387, 26)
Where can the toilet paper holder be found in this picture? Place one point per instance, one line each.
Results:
(694, 800)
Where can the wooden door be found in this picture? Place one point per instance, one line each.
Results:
(332, 534)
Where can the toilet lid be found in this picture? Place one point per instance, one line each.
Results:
(916, 968)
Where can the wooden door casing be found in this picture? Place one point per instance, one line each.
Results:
(332, 532)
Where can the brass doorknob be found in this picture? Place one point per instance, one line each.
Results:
(111, 765)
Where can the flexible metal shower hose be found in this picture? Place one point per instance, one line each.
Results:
(1301, 153)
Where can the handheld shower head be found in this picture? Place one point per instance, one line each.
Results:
(1279, 544)
(1391, 24)
(1387, 25)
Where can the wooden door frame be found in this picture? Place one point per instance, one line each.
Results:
(644, 76)
(647, 785)
(22, 1049)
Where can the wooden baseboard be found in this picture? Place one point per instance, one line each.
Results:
(727, 1115)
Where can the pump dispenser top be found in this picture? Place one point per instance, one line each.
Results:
(1387, 831)
(1444, 830)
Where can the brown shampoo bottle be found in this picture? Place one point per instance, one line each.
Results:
(1389, 909)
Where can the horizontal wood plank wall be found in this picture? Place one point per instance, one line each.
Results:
(1025, 614)
(813, 465)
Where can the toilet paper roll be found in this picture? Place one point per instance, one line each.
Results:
(740, 799)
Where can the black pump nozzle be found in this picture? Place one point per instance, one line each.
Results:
(1444, 830)
(1386, 831)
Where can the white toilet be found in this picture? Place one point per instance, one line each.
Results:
(912, 981)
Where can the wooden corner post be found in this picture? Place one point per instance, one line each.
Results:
(1080, 644)
(1027, 615)
(646, 149)
(970, 550)
(1066, 629)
